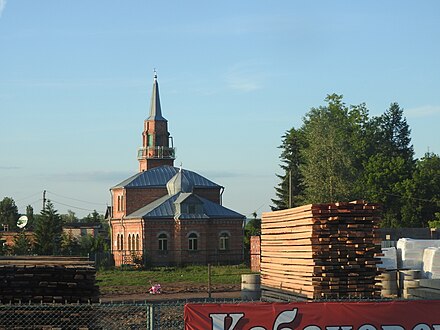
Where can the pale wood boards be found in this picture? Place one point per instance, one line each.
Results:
(322, 250)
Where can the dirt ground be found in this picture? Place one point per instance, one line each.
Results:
(170, 291)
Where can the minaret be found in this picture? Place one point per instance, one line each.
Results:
(157, 144)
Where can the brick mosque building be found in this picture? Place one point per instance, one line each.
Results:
(165, 215)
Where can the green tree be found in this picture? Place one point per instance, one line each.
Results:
(70, 245)
(291, 179)
(90, 244)
(390, 164)
(93, 217)
(331, 163)
(421, 197)
(69, 217)
(393, 137)
(22, 244)
(252, 228)
(9, 213)
(48, 231)
(383, 184)
(435, 223)
(30, 216)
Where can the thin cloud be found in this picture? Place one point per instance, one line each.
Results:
(245, 77)
(111, 83)
(9, 168)
(2, 6)
(113, 177)
(423, 111)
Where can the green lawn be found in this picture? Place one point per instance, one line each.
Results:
(115, 280)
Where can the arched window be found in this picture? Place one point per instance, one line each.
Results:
(192, 242)
(118, 242)
(129, 242)
(133, 242)
(163, 242)
(137, 242)
(122, 241)
(224, 241)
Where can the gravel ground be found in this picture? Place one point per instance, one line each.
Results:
(169, 292)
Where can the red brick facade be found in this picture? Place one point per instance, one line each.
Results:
(148, 249)
(188, 234)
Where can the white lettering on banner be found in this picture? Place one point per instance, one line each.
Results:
(288, 316)
(422, 326)
(367, 327)
(218, 320)
(392, 327)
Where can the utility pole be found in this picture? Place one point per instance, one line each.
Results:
(44, 200)
(290, 189)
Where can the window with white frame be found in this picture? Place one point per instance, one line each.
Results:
(224, 241)
(163, 242)
(192, 242)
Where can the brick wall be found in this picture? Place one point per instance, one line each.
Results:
(255, 247)
(135, 198)
(177, 232)
(138, 197)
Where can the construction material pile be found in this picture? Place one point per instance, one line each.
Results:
(47, 279)
(321, 251)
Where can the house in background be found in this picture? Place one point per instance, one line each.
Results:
(165, 215)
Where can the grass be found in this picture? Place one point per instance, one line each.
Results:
(111, 280)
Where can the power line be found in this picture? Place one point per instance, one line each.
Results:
(414, 198)
(75, 207)
(24, 198)
(75, 199)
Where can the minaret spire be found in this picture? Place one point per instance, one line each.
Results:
(157, 144)
(155, 109)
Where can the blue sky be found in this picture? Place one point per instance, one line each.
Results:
(234, 76)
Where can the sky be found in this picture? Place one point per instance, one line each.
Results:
(76, 80)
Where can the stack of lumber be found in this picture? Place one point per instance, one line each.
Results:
(321, 251)
(47, 279)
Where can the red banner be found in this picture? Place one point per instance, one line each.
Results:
(393, 315)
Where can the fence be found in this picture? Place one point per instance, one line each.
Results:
(136, 316)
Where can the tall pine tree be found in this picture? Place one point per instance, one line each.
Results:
(48, 231)
(390, 164)
(289, 192)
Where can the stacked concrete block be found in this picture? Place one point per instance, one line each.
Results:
(408, 279)
(427, 289)
(431, 263)
(389, 259)
(411, 251)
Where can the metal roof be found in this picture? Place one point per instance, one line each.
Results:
(164, 207)
(159, 176)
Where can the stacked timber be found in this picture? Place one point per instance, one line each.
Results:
(47, 279)
(321, 251)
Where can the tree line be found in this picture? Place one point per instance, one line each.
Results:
(44, 234)
(341, 153)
